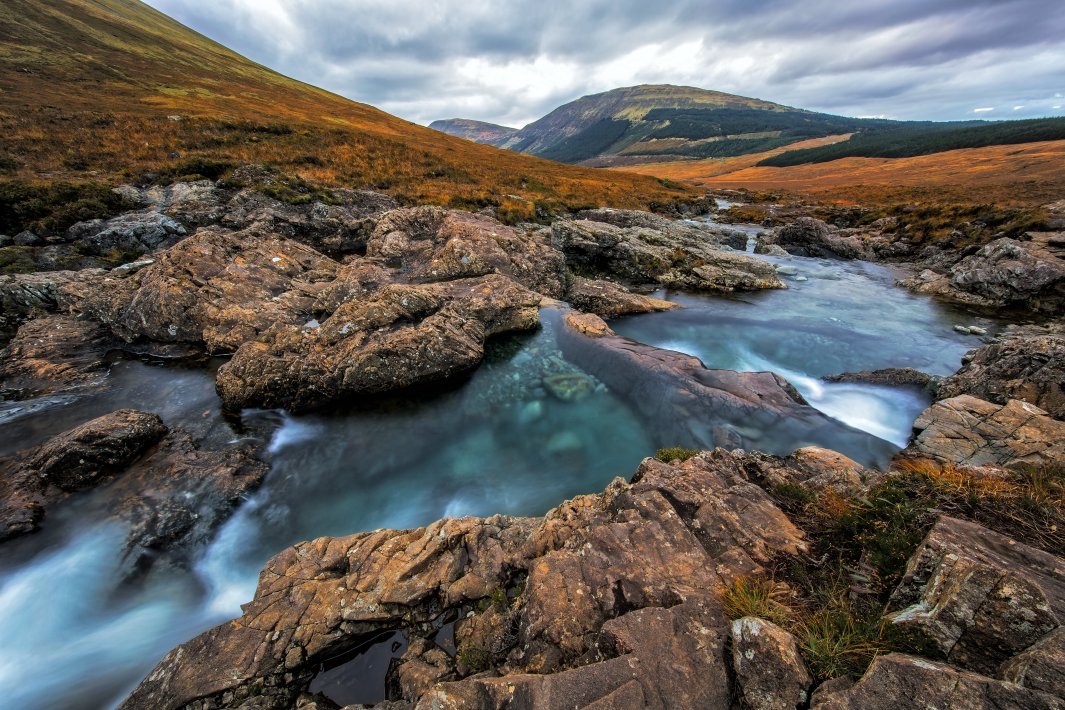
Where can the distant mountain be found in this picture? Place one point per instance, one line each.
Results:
(113, 90)
(476, 131)
(653, 123)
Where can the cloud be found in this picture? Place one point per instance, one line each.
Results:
(512, 62)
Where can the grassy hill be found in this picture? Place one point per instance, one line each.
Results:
(109, 90)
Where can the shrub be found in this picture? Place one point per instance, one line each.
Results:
(47, 209)
(675, 453)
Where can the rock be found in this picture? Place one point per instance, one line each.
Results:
(23, 296)
(786, 270)
(608, 300)
(1023, 363)
(132, 232)
(53, 353)
(1040, 667)
(770, 249)
(812, 468)
(892, 377)
(27, 239)
(769, 671)
(677, 257)
(1005, 272)
(980, 597)
(217, 288)
(896, 681)
(570, 387)
(434, 244)
(688, 405)
(594, 622)
(587, 324)
(974, 432)
(807, 236)
(397, 337)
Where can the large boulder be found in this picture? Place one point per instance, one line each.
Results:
(1005, 272)
(1025, 363)
(608, 599)
(807, 236)
(769, 672)
(979, 596)
(896, 681)
(396, 337)
(685, 257)
(973, 432)
(434, 244)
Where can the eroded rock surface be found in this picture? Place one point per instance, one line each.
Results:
(769, 672)
(610, 601)
(1042, 666)
(973, 432)
(53, 353)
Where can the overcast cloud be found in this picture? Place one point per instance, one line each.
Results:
(511, 62)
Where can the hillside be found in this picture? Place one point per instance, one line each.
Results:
(652, 123)
(112, 90)
(476, 131)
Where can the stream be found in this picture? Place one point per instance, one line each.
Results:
(496, 442)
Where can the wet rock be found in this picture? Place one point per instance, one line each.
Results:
(1040, 667)
(54, 353)
(973, 432)
(678, 258)
(769, 671)
(608, 300)
(897, 681)
(692, 406)
(892, 377)
(980, 597)
(1005, 272)
(1023, 363)
(434, 244)
(807, 236)
(770, 249)
(398, 337)
(217, 288)
(611, 601)
(569, 387)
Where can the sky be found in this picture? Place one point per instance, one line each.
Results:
(512, 62)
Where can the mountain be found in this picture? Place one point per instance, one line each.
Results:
(111, 90)
(476, 131)
(652, 123)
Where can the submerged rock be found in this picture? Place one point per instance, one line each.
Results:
(569, 387)
(973, 432)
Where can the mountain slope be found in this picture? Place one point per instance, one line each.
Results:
(111, 89)
(476, 131)
(663, 122)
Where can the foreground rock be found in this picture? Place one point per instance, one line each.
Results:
(607, 299)
(973, 432)
(1005, 272)
(608, 599)
(691, 405)
(769, 671)
(1042, 666)
(980, 597)
(23, 296)
(54, 353)
(1025, 363)
(897, 681)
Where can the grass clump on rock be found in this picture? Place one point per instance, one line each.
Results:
(675, 453)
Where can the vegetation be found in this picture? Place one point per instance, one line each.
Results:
(906, 140)
(589, 143)
(833, 598)
(51, 208)
(675, 453)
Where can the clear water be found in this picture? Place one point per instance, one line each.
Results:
(495, 443)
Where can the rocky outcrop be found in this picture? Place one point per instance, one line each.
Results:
(980, 597)
(680, 258)
(1042, 666)
(891, 377)
(811, 468)
(1005, 272)
(130, 233)
(23, 296)
(770, 674)
(1025, 363)
(434, 244)
(897, 681)
(608, 299)
(973, 432)
(609, 599)
(807, 236)
(690, 405)
(395, 338)
(54, 353)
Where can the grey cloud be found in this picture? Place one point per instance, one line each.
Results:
(512, 62)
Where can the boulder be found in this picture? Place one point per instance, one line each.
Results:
(54, 353)
(1024, 363)
(608, 299)
(769, 672)
(807, 236)
(812, 468)
(896, 681)
(434, 244)
(979, 596)
(23, 296)
(973, 432)
(1040, 667)
(610, 602)
(136, 232)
